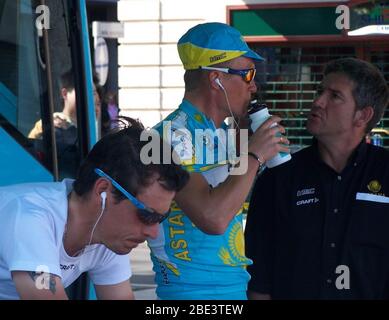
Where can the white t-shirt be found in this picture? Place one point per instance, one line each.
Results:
(32, 222)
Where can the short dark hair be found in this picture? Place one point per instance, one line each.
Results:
(67, 80)
(192, 79)
(118, 155)
(370, 87)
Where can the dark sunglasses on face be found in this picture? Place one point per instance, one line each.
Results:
(145, 214)
(246, 74)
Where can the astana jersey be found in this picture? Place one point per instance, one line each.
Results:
(190, 264)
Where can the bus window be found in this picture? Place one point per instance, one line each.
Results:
(22, 88)
(37, 89)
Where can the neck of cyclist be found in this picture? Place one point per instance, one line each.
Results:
(207, 101)
(80, 221)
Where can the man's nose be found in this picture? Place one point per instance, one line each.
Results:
(319, 100)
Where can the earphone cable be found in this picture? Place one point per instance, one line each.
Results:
(229, 107)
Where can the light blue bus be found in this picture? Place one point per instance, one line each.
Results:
(39, 41)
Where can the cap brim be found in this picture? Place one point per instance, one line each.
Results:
(253, 55)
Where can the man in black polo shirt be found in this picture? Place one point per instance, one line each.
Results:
(318, 225)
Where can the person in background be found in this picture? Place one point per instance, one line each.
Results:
(65, 126)
(50, 233)
(68, 116)
(317, 226)
(199, 253)
(109, 112)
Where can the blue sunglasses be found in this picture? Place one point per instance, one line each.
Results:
(146, 215)
(246, 74)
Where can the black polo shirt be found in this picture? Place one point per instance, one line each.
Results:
(316, 234)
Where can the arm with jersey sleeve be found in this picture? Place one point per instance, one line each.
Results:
(40, 286)
(259, 237)
(31, 285)
(31, 253)
(212, 209)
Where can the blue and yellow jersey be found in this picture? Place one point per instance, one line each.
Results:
(188, 263)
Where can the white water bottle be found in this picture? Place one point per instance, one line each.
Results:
(258, 114)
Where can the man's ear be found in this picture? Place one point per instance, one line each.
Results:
(64, 93)
(363, 116)
(101, 185)
(212, 76)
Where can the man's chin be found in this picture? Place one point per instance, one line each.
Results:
(310, 128)
(123, 251)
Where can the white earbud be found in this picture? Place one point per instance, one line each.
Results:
(217, 80)
(103, 196)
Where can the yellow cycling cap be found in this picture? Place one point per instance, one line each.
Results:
(210, 43)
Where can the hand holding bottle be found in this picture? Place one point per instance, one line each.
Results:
(259, 113)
